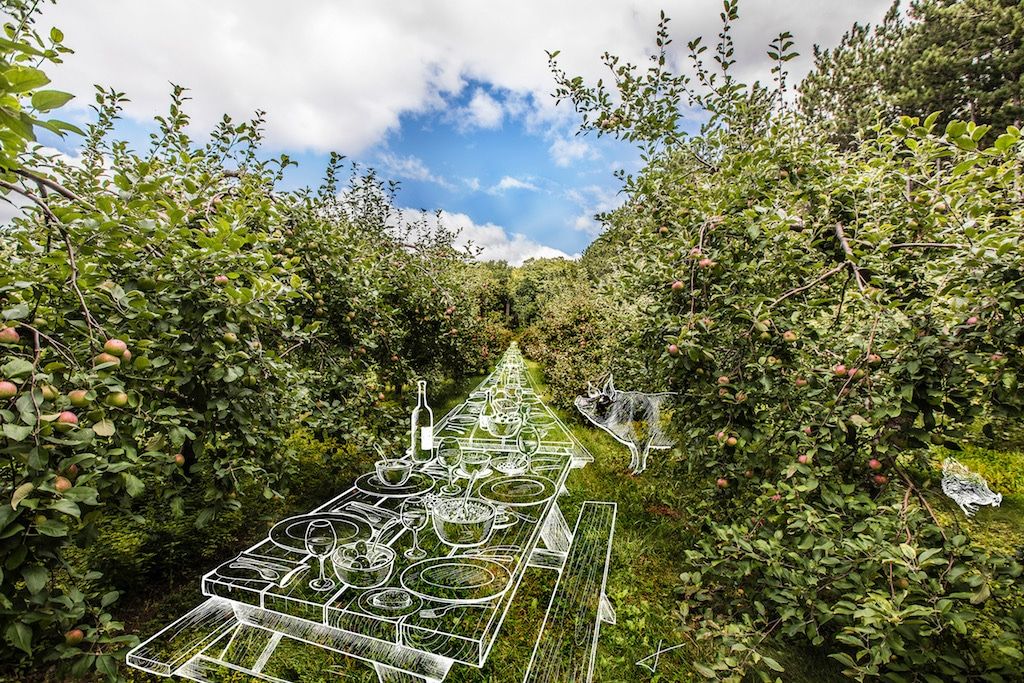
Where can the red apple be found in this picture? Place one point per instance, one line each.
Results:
(839, 370)
(221, 280)
(705, 263)
(722, 482)
(673, 350)
(695, 252)
(179, 459)
(808, 430)
(789, 336)
(8, 389)
(720, 436)
(996, 357)
(749, 474)
(126, 356)
(874, 464)
(776, 497)
(74, 636)
(874, 359)
(880, 479)
(79, 398)
(9, 335)
(724, 379)
(803, 458)
(115, 347)
(66, 420)
(663, 230)
(677, 286)
(731, 441)
(72, 470)
(741, 396)
(800, 382)
(62, 484)
(973, 320)
(106, 358)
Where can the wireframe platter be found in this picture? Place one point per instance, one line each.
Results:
(417, 483)
(518, 490)
(458, 579)
(290, 533)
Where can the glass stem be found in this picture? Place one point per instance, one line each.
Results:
(451, 478)
(323, 578)
(416, 540)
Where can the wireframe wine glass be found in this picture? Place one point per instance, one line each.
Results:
(449, 454)
(320, 541)
(415, 514)
(528, 442)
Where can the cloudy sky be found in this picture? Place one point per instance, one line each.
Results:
(450, 97)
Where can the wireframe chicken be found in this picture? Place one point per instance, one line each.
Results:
(968, 489)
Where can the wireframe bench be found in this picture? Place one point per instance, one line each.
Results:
(567, 645)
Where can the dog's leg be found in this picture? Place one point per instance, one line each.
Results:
(643, 459)
(634, 458)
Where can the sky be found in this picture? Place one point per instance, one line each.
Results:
(452, 99)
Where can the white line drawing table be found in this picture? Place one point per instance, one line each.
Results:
(263, 597)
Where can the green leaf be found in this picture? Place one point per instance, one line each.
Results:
(104, 428)
(18, 367)
(132, 484)
(21, 492)
(35, 577)
(18, 312)
(20, 636)
(17, 432)
(981, 595)
(47, 100)
(25, 78)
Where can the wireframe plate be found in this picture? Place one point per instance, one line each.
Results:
(518, 490)
(417, 483)
(459, 579)
(290, 533)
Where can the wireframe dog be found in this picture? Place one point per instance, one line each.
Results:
(633, 418)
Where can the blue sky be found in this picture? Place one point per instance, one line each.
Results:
(450, 98)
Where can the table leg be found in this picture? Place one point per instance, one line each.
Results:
(389, 674)
(555, 533)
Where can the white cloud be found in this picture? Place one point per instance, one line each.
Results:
(565, 151)
(510, 183)
(472, 183)
(339, 73)
(410, 168)
(592, 200)
(483, 111)
(494, 242)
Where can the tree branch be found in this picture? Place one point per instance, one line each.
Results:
(824, 276)
(848, 251)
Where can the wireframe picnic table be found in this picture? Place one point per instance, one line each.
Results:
(263, 595)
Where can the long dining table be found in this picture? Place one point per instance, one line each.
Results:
(263, 595)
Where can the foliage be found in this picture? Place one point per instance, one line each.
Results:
(169, 318)
(964, 58)
(824, 317)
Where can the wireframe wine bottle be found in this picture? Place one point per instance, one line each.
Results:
(422, 432)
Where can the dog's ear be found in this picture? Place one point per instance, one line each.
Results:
(609, 386)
